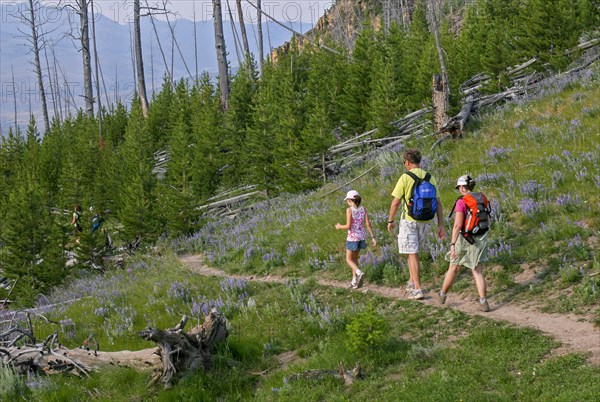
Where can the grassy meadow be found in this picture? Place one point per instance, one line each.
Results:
(538, 162)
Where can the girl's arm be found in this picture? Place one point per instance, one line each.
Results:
(348, 221)
(368, 223)
(459, 219)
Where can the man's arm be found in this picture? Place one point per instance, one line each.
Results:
(440, 219)
(393, 209)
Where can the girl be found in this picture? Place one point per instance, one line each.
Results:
(356, 218)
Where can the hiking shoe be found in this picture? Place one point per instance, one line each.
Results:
(353, 283)
(485, 307)
(441, 298)
(416, 294)
(410, 286)
(359, 279)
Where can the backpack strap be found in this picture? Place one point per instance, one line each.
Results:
(454, 206)
(414, 176)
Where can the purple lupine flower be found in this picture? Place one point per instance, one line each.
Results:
(575, 242)
(531, 189)
(498, 152)
(568, 200)
(581, 174)
(529, 206)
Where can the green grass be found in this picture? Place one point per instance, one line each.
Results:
(426, 353)
(538, 162)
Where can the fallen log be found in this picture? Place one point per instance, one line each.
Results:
(178, 352)
(346, 376)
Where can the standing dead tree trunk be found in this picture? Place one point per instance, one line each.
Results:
(441, 102)
(34, 39)
(240, 11)
(177, 353)
(97, 76)
(261, 50)
(139, 61)
(88, 94)
(221, 54)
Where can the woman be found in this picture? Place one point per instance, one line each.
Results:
(466, 249)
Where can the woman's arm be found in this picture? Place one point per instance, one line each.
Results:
(459, 219)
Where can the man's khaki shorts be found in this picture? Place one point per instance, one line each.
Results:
(411, 236)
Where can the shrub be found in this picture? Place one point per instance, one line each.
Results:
(366, 331)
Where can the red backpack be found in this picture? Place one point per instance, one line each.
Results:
(477, 218)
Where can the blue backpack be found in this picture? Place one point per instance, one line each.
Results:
(422, 205)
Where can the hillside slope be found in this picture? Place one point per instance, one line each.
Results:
(537, 161)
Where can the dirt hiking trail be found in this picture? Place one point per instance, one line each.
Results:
(575, 336)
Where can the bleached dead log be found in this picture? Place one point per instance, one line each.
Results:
(237, 191)
(514, 70)
(230, 201)
(411, 117)
(584, 46)
(177, 353)
(336, 148)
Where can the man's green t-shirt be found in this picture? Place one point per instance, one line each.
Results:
(403, 189)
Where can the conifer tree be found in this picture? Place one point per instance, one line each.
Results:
(159, 121)
(258, 158)
(287, 161)
(137, 208)
(26, 219)
(114, 125)
(469, 47)
(207, 136)
(237, 119)
(177, 195)
(385, 102)
(355, 98)
(547, 30)
(52, 152)
(11, 158)
(420, 59)
(322, 95)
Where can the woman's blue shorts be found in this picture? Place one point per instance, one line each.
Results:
(356, 245)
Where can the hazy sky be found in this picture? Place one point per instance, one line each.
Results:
(283, 10)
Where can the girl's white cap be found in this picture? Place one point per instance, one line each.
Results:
(351, 195)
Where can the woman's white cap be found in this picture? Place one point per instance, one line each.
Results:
(352, 194)
(462, 181)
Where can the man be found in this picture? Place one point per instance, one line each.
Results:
(411, 233)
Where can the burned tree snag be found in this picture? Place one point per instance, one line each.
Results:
(439, 104)
(139, 61)
(221, 54)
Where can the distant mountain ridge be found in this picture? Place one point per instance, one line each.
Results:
(114, 52)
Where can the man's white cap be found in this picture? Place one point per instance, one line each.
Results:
(462, 181)
(351, 195)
